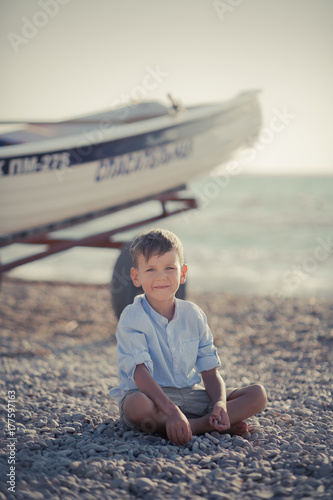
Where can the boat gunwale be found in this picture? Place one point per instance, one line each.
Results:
(118, 131)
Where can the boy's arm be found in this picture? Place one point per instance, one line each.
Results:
(215, 388)
(177, 426)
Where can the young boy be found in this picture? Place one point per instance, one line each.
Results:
(163, 346)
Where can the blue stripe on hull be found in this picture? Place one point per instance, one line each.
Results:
(54, 160)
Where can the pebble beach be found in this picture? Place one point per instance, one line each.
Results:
(60, 435)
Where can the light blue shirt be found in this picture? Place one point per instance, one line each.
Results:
(175, 352)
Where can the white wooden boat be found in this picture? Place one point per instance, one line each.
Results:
(56, 172)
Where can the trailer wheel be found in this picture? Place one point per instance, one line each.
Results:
(122, 289)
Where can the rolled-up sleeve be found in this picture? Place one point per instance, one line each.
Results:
(132, 350)
(207, 355)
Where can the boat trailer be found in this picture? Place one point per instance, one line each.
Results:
(122, 291)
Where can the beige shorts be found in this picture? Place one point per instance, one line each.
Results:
(194, 402)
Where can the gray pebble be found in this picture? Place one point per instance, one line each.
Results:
(218, 495)
(174, 469)
(120, 483)
(78, 416)
(164, 449)
(42, 422)
(142, 484)
(264, 494)
(295, 447)
(255, 476)
(212, 438)
(325, 470)
(237, 441)
(128, 435)
(119, 449)
(68, 429)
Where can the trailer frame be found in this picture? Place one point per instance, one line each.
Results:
(43, 236)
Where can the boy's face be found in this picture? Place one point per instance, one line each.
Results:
(160, 276)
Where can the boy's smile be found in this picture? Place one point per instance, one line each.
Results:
(160, 278)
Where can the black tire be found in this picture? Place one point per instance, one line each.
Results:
(122, 289)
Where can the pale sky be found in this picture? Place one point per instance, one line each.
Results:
(61, 58)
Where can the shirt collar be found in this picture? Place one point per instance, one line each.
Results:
(154, 314)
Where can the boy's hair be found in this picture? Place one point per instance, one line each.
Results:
(156, 242)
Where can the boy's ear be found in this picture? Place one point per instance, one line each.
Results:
(135, 277)
(183, 274)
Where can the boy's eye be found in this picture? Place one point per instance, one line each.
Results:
(170, 267)
(150, 269)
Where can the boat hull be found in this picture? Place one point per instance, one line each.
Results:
(57, 180)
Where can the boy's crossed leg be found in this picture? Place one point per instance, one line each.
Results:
(243, 403)
(142, 412)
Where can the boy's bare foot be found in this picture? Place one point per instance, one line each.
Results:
(201, 425)
(238, 429)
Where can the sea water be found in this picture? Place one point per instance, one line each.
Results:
(251, 235)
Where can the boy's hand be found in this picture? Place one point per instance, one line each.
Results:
(178, 428)
(219, 418)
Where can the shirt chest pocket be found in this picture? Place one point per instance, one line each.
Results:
(190, 352)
